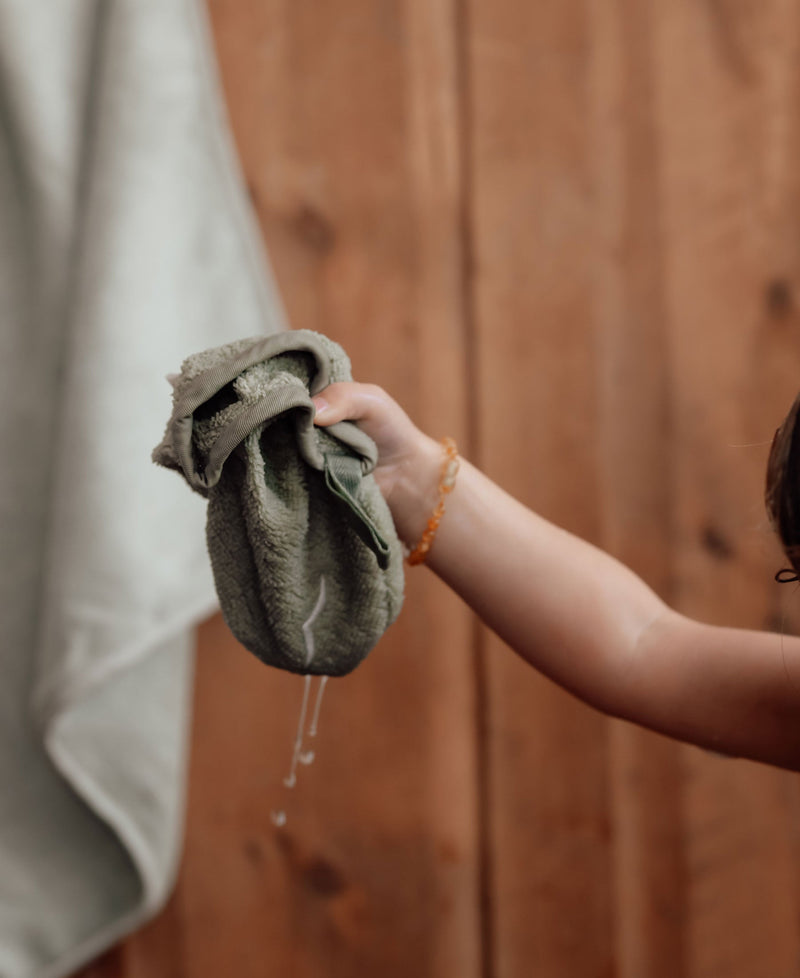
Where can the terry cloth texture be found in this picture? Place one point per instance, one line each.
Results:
(306, 561)
(125, 240)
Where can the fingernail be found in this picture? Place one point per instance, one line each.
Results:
(320, 405)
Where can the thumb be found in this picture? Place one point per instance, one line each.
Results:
(349, 401)
(374, 410)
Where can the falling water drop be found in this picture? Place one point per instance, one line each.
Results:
(312, 730)
(291, 778)
(299, 755)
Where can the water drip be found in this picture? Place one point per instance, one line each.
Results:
(299, 755)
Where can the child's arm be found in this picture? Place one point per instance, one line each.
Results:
(577, 614)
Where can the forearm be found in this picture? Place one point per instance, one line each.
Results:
(577, 614)
(590, 624)
(572, 611)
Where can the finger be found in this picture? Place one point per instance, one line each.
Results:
(376, 414)
(350, 402)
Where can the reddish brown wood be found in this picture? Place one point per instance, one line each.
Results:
(635, 440)
(728, 132)
(550, 823)
(617, 167)
(570, 230)
(356, 180)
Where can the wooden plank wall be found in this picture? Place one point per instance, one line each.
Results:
(567, 233)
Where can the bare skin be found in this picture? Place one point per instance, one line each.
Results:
(575, 613)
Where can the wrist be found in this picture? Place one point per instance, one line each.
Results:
(413, 492)
(447, 481)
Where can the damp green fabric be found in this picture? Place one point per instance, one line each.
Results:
(306, 560)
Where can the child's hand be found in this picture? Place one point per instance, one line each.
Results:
(409, 461)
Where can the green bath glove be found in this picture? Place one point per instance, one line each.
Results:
(306, 561)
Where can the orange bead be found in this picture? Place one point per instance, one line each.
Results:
(447, 481)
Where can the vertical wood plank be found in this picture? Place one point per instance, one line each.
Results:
(722, 137)
(651, 356)
(347, 121)
(376, 871)
(624, 176)
(724, 128)
(537, 400)
(634, 431)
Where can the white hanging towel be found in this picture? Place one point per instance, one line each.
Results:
(126, 243)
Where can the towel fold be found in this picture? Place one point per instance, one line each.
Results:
(306, 560)
(126, 240)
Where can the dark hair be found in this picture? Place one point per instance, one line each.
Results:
(783, 490)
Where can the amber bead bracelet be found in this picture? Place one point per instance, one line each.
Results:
(447, 481)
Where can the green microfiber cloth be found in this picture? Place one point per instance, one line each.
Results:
(306, 560)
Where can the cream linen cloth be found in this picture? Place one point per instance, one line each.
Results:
(125, 245)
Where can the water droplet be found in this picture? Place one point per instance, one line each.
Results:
(278, 818)
(291, 780)
(307, 757)
(312, 732)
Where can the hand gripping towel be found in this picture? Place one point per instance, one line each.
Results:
(306, 560)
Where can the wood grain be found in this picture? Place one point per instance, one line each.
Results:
(567, 234)
(537, 390)
(638, 132)
(376, 870)
(740, 833)
(634, 432)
